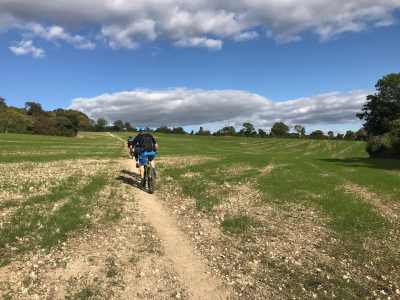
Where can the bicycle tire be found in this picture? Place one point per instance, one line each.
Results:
(151, 180)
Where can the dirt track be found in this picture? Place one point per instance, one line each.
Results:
(190, 268)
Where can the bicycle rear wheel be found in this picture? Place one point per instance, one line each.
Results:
(151, 180)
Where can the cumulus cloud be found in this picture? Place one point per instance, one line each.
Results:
(56, 33)
(126, 23)
(200, 42)
(185, 107)
(26, 47)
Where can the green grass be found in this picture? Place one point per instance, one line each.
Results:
(310, 173)
(237, 224)
(36, 148)
(33, 225)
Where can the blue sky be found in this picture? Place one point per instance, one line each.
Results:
(90, 68)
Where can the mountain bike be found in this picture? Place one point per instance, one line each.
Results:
(149, 174)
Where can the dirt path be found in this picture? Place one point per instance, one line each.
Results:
(194, 274)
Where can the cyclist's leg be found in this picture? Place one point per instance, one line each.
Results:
(153, 162)
(142, 163)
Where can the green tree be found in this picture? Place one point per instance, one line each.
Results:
(3, 104)
(44, 123)
(163, 129)
(262, 133)
(350, 135)
(318, 134)
(101, 124)
(118, 125)
(383, 107)
(33, 108)
(203, 131)
(178, 130)
(361, 135)
(248, 129)
(279, 129)
(128, 126)
(64, 126)
(300, 130)
(13, 121)
(226, 131)
(395, 136)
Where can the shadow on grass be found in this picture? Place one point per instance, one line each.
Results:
(363, 162)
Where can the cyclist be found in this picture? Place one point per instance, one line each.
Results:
(146, 148)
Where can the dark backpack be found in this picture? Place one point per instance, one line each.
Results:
(147, 142)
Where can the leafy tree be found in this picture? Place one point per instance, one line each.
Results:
(178, 130)
(118, 125)
(379, 146)
(318, 134)
(163, 129)
(395, 136)
(339, 136)
(3, 104)
(383, 107)
(101, 124)
(331, 134)
(128, 126)
(300, 130)
(350, 135)
(262, 133)
(228, 130)
(361, 135)
(44, 124)
(248, 129)
(11, 120)
(280, 129)
(203, 131)
(64, 126)
(33, 108)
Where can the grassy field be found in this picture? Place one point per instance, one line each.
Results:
(293, 218)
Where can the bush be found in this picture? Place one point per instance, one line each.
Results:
(395, 136)
(379, 146)
(386, 145)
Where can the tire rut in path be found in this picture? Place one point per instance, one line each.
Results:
(194, 274)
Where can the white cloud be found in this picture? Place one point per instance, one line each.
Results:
(126, 23)
(200, 42)
(26, 47)
(129, 36)
(185, 107)
(246, 36)
(57, 33)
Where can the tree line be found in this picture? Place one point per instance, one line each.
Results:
(33, 119)
(279, 129)
(381, 128)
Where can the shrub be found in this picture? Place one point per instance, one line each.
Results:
(395, 136)
(379, 146)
